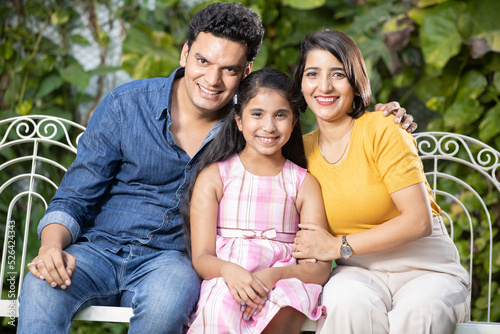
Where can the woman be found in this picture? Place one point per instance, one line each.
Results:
(396, 265)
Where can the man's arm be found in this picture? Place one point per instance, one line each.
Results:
(78, 195)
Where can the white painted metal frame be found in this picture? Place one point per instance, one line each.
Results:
(435, 147)
(31, 131)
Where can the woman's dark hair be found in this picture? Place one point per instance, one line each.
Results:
(229, 140)
(231, 21)
(346, 51)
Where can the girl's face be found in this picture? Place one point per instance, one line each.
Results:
(266, 123)
(325, 85)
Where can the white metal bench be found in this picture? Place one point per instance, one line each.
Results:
(32, 165)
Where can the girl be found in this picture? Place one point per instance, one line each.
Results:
(249, 195)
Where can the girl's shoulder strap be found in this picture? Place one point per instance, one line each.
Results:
(225, 166)
(297, 174)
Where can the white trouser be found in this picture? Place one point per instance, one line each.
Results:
(417, 288)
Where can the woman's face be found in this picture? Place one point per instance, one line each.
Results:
(325, 86)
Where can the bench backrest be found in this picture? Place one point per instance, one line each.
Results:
(36, 150)
(463, 173)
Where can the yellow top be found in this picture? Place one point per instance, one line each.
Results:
(382, 159)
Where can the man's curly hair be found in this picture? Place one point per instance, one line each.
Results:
(231, 21)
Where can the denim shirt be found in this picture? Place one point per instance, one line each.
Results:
(127, 182)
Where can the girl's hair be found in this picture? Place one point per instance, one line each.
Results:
(347, 52)
(229, 140)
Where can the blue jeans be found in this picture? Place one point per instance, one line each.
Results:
(160, 285)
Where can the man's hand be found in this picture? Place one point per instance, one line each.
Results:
(54, 266)
(401, 117)
(52, 263)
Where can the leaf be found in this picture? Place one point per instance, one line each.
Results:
(48, 85)
(103, 70)
(490, 125)
(76, 75)
(7, 50)
(301, 4)
(418, 14)
(463, 112)
(484, 25)
(369, 23)
(427, 3)
(20, 65)
(59, 17)
(496, 81)
(472, 84)
(439, 38)
(79, 39)
(24, 107)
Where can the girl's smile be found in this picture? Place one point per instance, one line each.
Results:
(266, 123)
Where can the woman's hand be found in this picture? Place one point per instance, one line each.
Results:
(54, 266)
(401, 117)
(245, 288)
(315, 242)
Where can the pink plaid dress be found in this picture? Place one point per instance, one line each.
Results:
(257, 223)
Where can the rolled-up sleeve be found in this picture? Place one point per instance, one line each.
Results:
(90, 175)
(62, 218)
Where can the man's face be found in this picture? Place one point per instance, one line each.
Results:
(214, 68)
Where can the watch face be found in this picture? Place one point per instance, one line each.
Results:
(346, 252)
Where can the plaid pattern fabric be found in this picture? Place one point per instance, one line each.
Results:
(255, 203)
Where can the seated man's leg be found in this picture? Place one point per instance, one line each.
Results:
(163, 290)
(44, 309)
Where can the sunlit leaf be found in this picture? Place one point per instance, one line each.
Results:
(427, 3)
(59, 17)
(24, 107)
(439, 38)
(301, 4)
(484, 25)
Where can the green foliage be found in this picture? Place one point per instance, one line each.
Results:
(439, 58)
(38, 73)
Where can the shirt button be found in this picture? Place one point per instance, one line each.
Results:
(167, 217)
(189, 167)
(171, 142)
(152, 236)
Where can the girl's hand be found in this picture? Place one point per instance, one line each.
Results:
(315, 242)
(245, 288)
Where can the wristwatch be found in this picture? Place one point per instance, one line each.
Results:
(345, 248)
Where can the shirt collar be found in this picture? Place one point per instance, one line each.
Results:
(166, 98)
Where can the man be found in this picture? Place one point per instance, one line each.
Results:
(112, 234)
